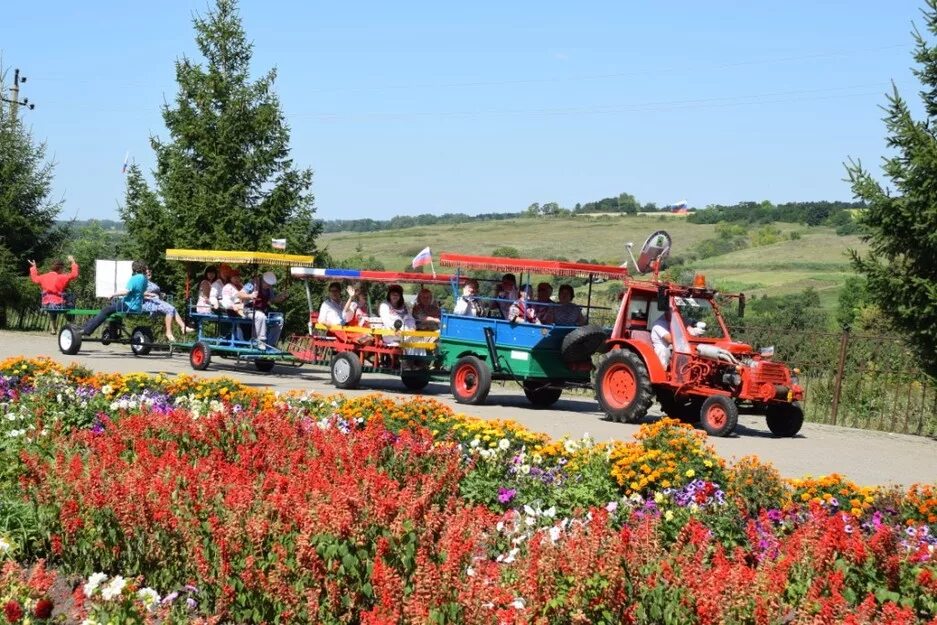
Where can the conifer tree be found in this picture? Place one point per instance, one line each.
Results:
(900, 224)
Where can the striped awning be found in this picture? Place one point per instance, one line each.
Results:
(365, 275)
(534, 266)
(240, 258)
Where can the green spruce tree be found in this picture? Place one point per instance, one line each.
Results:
(900, 223)
(224, 177)
(27, 213)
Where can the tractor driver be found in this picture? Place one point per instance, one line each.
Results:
(661, 340)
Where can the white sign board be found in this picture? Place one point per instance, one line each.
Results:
(111, 276)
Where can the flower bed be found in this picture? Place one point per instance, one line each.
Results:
(170, 500)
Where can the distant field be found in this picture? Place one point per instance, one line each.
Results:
(819, 258)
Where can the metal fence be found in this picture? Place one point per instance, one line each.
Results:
(868, 381)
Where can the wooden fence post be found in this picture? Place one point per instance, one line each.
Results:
(840, 372)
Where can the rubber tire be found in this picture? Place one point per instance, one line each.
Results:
(541, 396)
(106, 337)
(353, 363)
(719, 415)
(629, 365)
(581, 343)
(200, 356)
(785, 420)
(687, 410)
(470, 380)
(264, 364)
(74, 339)
(141, 347)
(415, 380)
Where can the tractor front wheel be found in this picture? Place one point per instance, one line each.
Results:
(623, 386)
(785, 419)
(719, 415)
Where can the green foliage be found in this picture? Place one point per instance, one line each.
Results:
(799, 311)
(224, 178)
(766, 235)
(27, 213)
(810, 213)
(899, 225)
(852, 298)
(506, 252)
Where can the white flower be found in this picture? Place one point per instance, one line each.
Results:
(475, 442)
(612, 506)
(554, 533)
(499, 526)
(529, 511)
(518, 604)
(512, 554)
(694, 507)
(470, 572)
(113, 588)
(93, 582)
(549, 512)
(149, 597)
(504, 444)
(570, 446)
(90, 621)
(525, 469)
(4, 545)
(107, 389)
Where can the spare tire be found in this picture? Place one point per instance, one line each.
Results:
(581, 343)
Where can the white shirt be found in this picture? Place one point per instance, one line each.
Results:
(659, 330)
(466, 306)
(229, 296)
(214, 293)
(331, 313)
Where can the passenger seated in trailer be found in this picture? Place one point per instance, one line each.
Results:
(506, 290)
(356, 307)
(53, 284)
(331, 312)
(393, 310)
(543, 304)
(468, 303)
(520, 311)
(153, 302)
(132, 300)
(426, 311)
(567, 313)
(204, 302)
(267, 323)
(232, 297)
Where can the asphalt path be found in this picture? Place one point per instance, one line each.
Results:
(869, 458)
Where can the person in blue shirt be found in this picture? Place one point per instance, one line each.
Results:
(132, 300)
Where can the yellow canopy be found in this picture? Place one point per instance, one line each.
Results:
(240, 258)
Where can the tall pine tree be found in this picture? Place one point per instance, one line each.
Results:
(901, 226)
(224, 178)
(27, 213)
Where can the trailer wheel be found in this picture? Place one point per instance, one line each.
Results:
(69, 339)
(540, 394)
(200, 356)
(415, 380)
(581, 343)
(719, 415)
(264, 364)
(623, 386)
(141, 341)
(470, 380)
(346, 370)
(785, 419)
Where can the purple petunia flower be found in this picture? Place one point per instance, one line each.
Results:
(505, 495)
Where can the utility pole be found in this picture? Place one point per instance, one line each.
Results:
(15, 92)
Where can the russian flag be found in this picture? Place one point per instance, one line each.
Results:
(278, 244)
(123, 169)
(425, 257)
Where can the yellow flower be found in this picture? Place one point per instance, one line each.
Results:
(690, 473)
(707, 463)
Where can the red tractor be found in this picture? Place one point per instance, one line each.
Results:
(699, 373)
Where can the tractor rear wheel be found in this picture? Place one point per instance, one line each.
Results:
(623, 386)
(470, 380)
(719, 415)
(785, 419)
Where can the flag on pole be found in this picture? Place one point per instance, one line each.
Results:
(278, 244)
(425, 257)
(123, 169)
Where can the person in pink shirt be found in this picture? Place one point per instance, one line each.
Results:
(53, 284)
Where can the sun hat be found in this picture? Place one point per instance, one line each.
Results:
(270, 278)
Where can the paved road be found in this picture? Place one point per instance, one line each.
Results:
(867, 457)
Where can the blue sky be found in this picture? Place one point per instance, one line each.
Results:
(405, 108)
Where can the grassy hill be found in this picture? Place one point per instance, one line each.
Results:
(819, 258)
